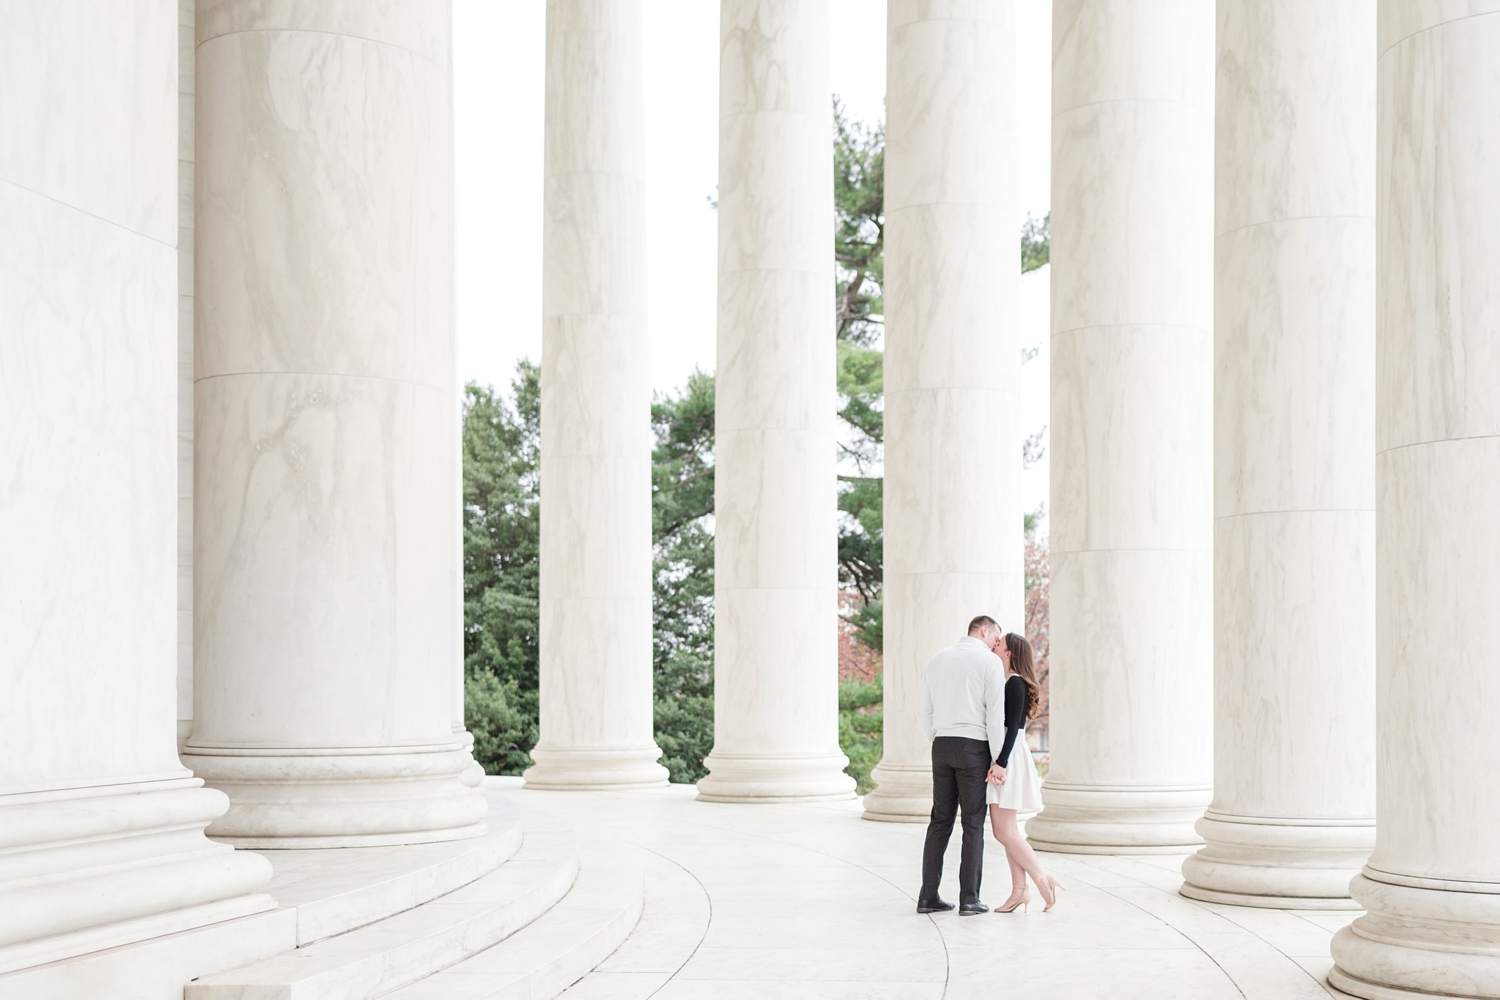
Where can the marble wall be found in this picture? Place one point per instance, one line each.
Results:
(1432, 886)
(775, 543)
(326, 578)
(1132, 446)
(101, 828)
(596, 654)
(953, 525)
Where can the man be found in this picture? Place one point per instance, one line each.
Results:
(961, 708)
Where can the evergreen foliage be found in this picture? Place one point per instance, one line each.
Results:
(501, 542)
(682, 505)
(859, 238)
(859, 261)
(1036, 242)
(862, 729)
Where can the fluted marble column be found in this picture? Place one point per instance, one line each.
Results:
(1293, 815)
(101, 827)
(596, 408)
(325, 574)
(953, 526)
(775, 544)
(1132, 437)
(1431, 888)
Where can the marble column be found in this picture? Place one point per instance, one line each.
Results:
(1293, 814)
(596, 669)
(101, 827)
(326, 624)
(775, 543)
(186, 78)
(953, 525)
(1132, 436)
(1431, 889)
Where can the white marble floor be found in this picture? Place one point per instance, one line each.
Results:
(811, 901)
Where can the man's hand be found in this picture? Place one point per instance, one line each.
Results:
(996, 775)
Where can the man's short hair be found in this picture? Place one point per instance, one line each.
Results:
(980, 622)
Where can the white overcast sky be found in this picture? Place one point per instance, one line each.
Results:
(498, 52)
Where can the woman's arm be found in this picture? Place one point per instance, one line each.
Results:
(1015, 716)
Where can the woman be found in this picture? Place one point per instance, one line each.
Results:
(1013, 783)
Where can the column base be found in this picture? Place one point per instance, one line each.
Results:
(903, 794)
(1419, 937)
(85, 869)
(473, 772)
(1277, 863)
(775, 778)
(596, 768)
(1104, 819)
(290, 799)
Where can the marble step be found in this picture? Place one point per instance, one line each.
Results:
(338, 891)
(559, 948)
(405, 947)
(674, 921)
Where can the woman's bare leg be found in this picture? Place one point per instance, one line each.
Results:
(1017, 873)
(1017, 851)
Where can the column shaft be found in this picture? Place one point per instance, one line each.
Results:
(326, 624)
(1132, 445)
(1431, 888)
(1293, 815)
(186, 80)
(595, 662)
(101, 827)
(775, 545)
(953, 531)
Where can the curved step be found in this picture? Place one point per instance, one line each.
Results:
(366, 884)
(407, 946)
(674, 921)
(559, 948)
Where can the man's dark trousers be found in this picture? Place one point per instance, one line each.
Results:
(959, 766)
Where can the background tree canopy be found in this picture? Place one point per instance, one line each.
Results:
(859, 268)
(501, 456)
(682, 506)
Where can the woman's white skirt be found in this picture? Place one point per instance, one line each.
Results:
(1022, 790)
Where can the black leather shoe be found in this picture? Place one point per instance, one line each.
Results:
(972, 909)
(933, 905)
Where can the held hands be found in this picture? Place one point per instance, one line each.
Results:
(996, 775)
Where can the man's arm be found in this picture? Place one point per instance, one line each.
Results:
(924, 708)
(994, 709)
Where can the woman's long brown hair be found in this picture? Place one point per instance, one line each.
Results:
(1022, 666)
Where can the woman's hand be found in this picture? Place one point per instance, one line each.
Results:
(996, 775)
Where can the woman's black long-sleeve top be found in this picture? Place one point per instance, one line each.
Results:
(1017, 703)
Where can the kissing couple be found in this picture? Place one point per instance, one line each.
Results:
(975, 699)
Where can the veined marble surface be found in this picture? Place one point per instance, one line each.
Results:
(805, 902)
(1132, 444)
(1432, 885)
(595, 642)
(775, 540)
(953, 526)
(1131, 423)
(422, 27)
(101, 827)
(1439, 423)
(327, 573)
(1294, 423)
(186, 85)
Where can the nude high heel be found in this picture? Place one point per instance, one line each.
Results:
(1054, 885)
(1024, 902)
